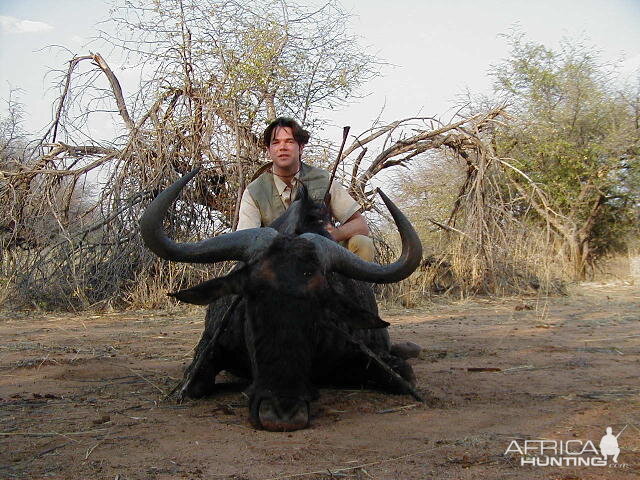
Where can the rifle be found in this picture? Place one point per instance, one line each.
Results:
(327, 195)
(620, 432)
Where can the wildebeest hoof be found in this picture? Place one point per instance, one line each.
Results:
(283, 414)
(197, 389)
(406, 350)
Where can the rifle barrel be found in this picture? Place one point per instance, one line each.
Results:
(345, 134)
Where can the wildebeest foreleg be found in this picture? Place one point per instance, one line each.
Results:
(384, 374)
(199, 377)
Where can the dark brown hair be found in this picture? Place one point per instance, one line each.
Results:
(299, 134)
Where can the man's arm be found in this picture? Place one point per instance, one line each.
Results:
(355, 225)
(347, 211)
(249, 213)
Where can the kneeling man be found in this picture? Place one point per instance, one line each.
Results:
(269, 195)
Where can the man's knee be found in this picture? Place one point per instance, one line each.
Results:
(362, 246)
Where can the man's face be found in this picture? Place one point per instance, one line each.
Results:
(284, 151)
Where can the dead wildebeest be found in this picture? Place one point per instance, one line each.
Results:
(295, 314)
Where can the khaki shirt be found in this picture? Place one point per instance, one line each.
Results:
(342, 205)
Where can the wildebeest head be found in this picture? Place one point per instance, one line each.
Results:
(287, 298)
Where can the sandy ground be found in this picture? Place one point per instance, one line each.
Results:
(82, 397)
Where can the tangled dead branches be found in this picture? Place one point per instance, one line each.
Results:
(69, 230)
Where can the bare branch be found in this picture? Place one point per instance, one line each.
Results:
(116, 88)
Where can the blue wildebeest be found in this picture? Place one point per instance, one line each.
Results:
(297, 312)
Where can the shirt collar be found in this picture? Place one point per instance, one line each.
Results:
(280, 185)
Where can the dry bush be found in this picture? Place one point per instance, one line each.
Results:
(70, 230)
(475, 242)
(69, 233)
(213, 74)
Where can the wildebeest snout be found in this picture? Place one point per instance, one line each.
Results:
(281, 414)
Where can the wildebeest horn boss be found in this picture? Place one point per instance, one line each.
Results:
(296, 313)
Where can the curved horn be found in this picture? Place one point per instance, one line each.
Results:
(341, 260)
(242, 245)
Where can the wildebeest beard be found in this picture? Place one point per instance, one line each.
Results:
(287, 318)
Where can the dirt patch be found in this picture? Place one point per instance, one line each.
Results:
(82, 397)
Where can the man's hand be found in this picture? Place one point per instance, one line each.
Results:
(355, 225)
(333, 231)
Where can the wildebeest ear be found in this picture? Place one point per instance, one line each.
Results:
(211, 290)
(353, 314)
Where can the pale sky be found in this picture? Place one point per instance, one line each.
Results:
(439, 49)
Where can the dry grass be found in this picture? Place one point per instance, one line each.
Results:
(528, 266)
(149, 291)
